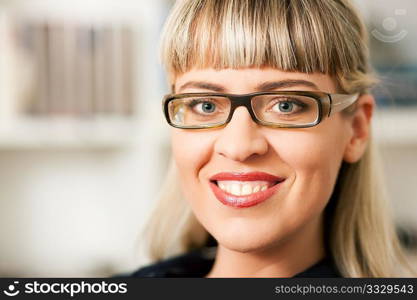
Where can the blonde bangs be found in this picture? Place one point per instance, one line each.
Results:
(305, 36)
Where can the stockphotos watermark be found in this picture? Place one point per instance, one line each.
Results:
(71, 289)
(390, 27)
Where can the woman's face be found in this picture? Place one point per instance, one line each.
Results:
(307, 158)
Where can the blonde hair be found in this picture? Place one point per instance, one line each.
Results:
(325, 36)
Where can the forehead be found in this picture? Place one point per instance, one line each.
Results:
(251, 79)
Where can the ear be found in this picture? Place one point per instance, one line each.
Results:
(359, 126)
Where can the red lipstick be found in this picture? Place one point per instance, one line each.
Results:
(273, 183)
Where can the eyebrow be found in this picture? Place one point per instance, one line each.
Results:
(265, 86)
(203, 85)
(274, 85)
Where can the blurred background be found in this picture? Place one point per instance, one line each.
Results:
(84, 146)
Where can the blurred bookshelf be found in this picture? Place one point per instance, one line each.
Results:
(392, 31)
(66, 82)
(396, 97)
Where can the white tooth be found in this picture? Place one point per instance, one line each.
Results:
(246, 189)
(240, 188)
(235, 189)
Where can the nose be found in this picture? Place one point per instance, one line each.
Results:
(241, 137)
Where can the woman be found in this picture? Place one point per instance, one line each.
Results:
(272, 152)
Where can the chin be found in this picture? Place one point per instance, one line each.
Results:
(246, 246)
(244, 242)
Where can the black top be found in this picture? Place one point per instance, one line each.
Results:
(198, 263)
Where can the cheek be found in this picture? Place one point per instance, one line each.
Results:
(191, 152)
(311, 153)
(314, 158)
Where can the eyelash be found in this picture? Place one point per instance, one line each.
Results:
(194, 102)
(293, 101)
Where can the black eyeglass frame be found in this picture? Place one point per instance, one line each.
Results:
(328, 104)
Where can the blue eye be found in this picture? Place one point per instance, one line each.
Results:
(286, 106)
(202, 106)
(208, 107)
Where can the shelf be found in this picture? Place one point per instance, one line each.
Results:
(98, 133)
(396, 127)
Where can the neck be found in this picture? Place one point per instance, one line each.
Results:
(286, 259)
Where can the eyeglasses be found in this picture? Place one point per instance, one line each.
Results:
(284, 109)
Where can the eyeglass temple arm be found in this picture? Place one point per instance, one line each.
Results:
(341, 101)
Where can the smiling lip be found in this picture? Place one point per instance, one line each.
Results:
(245, 200)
